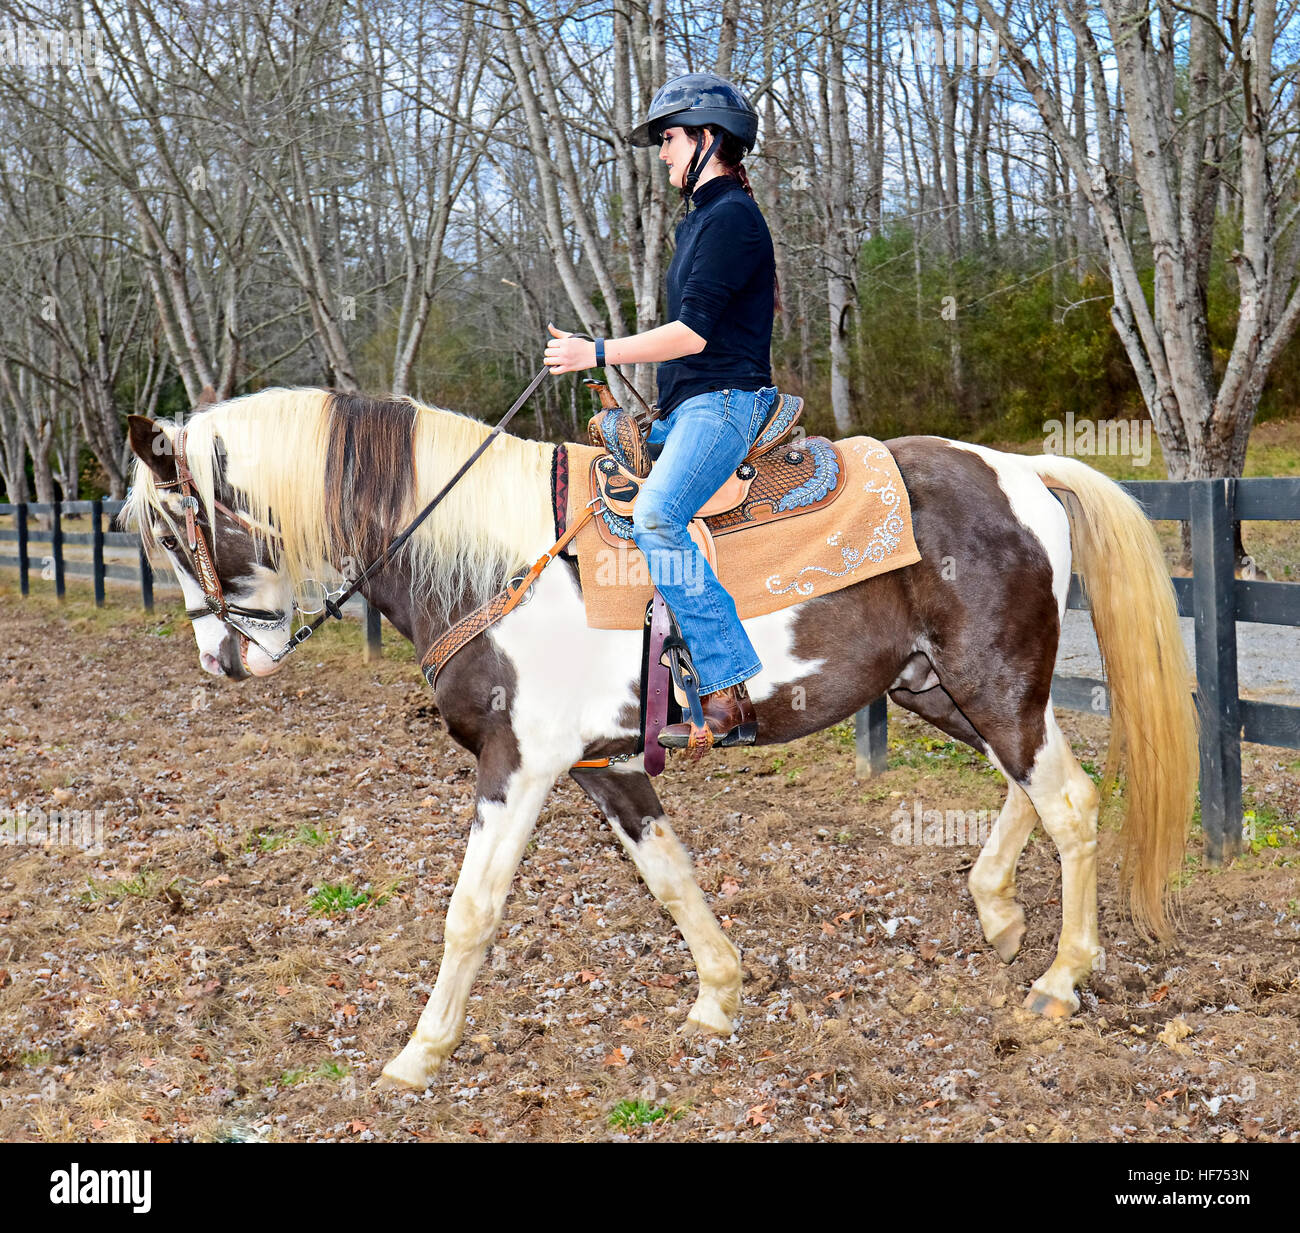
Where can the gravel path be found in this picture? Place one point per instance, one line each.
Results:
(1268, 656)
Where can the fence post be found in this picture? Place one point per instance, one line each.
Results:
(56, 545)
(374, 640)
(871, 739)
(1214, 603)
(97, 548)
(146, 580)
(24, 564)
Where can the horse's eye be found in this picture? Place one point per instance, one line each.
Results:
(168, 542)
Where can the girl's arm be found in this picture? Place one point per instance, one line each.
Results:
(564, 353)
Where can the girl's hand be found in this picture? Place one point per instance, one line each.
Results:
(564, 353)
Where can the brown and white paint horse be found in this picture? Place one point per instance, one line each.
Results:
(298, 484)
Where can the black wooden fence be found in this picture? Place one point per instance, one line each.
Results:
(55, 566)
(1216, 600)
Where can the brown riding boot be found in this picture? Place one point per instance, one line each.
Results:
(729, 719)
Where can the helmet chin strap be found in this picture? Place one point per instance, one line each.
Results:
(697, 165)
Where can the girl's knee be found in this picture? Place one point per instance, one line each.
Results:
(651, 516)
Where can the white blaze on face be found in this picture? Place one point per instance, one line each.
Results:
(267, 592)
(209, 631)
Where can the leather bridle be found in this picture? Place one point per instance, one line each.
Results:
(215, 603)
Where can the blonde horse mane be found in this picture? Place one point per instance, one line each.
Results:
(327, 479)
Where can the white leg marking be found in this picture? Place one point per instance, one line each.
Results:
(993, 878)
(1067, 802)
(666, 868)
(496, 845)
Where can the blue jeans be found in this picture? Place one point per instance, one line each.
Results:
(705, 438)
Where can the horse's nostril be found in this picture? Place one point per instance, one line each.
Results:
(210, 663)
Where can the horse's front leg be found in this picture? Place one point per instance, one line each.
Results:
(508, 805)
(633, 809)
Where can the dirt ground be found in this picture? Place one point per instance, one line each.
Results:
(264, 922)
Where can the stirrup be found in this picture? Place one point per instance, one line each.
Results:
(686, 680)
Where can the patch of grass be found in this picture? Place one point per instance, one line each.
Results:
(268, 841)
(1267, 827)
(335, 897)
(332, 898)
(219, 843)
(1189, 872)
(924, 752)
(843, 734)
(142, 886)
(35, 1057)
(628, 1113)
(333, 1071)
(147, 884)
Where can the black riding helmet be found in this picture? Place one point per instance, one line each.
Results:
(694, 100)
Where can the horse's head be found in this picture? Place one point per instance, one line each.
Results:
(239, 601)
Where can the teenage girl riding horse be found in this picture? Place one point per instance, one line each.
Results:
(256, 496)
(715, 378)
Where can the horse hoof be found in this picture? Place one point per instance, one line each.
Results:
(707, 1021)
(391, 1084)
(408, 1071)
(1048, 1006)
(699, 1027)
(1007, 941)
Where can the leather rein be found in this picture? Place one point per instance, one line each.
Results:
(214, 598)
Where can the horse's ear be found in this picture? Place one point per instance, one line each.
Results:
(152, 446)
(207, 397)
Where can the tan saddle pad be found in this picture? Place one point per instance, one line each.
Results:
(834, 516)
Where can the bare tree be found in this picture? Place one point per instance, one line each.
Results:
(1234, 98)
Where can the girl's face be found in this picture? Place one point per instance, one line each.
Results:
(676, 150)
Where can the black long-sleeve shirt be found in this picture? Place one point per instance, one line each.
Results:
(721, 283)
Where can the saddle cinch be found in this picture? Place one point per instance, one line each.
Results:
(777, 478)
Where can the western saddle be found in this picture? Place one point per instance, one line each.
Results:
(779, 476)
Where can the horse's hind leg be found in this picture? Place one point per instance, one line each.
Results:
(1067, 801)
(993, 877)
(1056, 787)
(508, 804)
(633, 809)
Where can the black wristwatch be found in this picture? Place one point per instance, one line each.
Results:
(600, 353)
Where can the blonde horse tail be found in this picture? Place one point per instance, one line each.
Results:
(1153, 734)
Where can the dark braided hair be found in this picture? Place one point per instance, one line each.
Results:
(731, 155)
